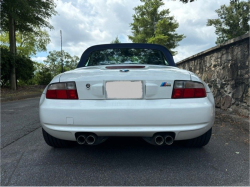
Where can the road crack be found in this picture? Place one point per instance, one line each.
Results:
(19, 137)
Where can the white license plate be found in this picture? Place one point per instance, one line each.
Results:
(124, 89)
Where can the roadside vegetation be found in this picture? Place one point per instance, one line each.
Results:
(233, 20)
(152, 25)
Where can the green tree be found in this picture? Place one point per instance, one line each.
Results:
(116, 41)
(43, 76)
(53, 62)
(154, 26)
(28, 43)
(24, 16)
(24, 66)
(233, 20)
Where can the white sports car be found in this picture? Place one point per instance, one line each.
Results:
(127, 90)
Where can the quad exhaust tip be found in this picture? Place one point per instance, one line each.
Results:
(169, 140)
(86, 139)
(166, 138)
(90, 139)
(81, 140)
(159, 140)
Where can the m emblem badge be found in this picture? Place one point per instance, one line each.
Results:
(163, 84)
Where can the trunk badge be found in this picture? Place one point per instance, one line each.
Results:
(165, 84)
(124, 70)
(88, 86)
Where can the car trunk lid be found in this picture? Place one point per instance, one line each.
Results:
(155, 82)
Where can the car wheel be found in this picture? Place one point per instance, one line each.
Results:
(55, 142)
(199, 141)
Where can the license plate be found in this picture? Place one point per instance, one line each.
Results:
(124, 90)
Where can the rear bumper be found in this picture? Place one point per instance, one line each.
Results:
(187, 118)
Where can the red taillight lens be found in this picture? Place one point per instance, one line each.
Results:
(72, 94)
(65, 90)
(61, 94)
(200, 92)
(51, 94)
(177, 93)
(188, 89)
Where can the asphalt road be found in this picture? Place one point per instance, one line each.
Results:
(27, 160)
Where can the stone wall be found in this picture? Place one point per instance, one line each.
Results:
(225, 68)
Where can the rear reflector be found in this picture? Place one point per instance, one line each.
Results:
(188, 89)
(66, 90)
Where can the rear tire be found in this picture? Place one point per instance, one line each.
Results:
(199, 141)
(55, 142)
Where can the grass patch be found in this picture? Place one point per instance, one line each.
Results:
(21, 92)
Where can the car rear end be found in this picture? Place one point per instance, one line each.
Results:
(156, 102)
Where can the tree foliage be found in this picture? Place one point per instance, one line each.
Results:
(53, 62)
(24, 66)
(116, 41)
(154, 26)
(43, 76)
(28, 43)
(233, 20)
(126, 56)
(28, 14)
(24, 16)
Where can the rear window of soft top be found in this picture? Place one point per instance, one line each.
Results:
(126, 56)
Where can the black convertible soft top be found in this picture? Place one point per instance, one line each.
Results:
(91, 49)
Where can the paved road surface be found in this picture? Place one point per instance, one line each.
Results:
(27, 160)
(18, 118)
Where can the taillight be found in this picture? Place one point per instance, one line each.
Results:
(62, 90)
(188, 89)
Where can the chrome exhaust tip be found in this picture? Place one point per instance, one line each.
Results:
(90, 139)
(81, 140)
(159, 140)
(169, 140)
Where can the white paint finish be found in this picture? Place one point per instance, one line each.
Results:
(97, 90)
(182, 132)
(151, 89)
(150, 74)
(124, 90)
(42, 98)
(211, 99)
(56, 78)
(94, 92)
(100, 73)
(155, 91)
(70, 121)
(194, 77)
(156, 112)
(145, 117)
